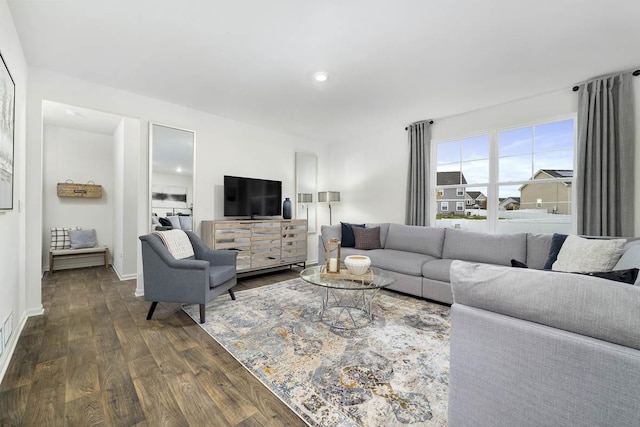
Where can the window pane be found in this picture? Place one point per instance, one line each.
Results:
(554, 136)
(514, 168)
(514, 142)
(448, 152)
(475, 148)
(475, 171)
(536, 208)
(562, 160)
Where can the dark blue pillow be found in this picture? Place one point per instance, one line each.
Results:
(557, 240)
(348, 238)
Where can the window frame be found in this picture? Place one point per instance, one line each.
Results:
(442, 206)
(459, 206)
(494, 160)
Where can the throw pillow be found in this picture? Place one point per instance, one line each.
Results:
(83, 239)
(164, 222)
(625, 276)
(556, 244)
(586, 255)
(60, 238)
(367, 238)
(175, 222)
(518, 264)
(348, 238)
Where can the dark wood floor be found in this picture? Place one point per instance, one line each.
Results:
(93, 359)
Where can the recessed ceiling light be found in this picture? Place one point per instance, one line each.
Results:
(321, 76)
(71, 113)
(179, 169)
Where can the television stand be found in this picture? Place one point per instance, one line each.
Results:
(262, 244)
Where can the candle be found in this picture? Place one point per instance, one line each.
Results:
(333, 265)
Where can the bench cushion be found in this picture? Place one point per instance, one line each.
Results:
(96, 250)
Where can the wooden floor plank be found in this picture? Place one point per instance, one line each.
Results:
(13, 404)
(82, 369)
(46, 397)
(85, 411)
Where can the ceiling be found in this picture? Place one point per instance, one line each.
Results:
(389, 63)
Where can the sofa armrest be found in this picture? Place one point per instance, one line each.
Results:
(585, 305)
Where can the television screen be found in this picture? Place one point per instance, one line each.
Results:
(252, 197)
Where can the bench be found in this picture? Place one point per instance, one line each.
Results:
(77, 253)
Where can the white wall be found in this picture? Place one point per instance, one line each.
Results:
(118, 197)
(371, 172)
(223, 146)
(13, 223)
(80, 156)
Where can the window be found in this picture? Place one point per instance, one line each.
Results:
(444, 206)
(513, 180)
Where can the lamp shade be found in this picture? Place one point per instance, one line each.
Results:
(305, 197)
(328, 196)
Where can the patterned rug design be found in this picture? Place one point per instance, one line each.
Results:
(393, 372)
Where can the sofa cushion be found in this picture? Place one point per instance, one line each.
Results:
(537, 250)
(219, 274)
(367, 238)
(484, 247)
(585, 305)
(438, 269)
(348, 239)
(329, 232)
(583, 255)
(384, 230)
(409, 263)
(630, 259)
(421, 240)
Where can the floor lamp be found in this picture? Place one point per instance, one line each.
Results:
(329, 196)
(305, 198)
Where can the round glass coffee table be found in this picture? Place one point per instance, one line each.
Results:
(346, 298)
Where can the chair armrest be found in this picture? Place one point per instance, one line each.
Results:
(213, 256)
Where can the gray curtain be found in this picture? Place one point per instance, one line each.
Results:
(605, 173)
(417, 211)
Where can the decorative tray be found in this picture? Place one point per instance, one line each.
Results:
(345, 275)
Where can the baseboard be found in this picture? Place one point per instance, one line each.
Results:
(7, 354)
(123, 277)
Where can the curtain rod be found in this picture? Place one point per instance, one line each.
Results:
(430, 122)
(636, 73)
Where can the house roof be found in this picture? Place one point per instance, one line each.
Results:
(556, 173)
(475, 194)
(509, 200)
(450, 178)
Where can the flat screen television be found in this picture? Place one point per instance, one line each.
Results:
(252, 197)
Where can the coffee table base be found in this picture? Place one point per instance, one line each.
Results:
(347, 308)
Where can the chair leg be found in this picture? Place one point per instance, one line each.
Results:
(151, 309)
(202, 313)
(233, 296)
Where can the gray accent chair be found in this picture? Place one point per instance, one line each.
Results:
(194, 280)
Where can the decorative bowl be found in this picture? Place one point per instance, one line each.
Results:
(357, 264)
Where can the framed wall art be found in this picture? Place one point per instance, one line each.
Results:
(7, 131)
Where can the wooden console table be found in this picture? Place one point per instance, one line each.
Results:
(261, 244)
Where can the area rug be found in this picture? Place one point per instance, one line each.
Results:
(393, 372)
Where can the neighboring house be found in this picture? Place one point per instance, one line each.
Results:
(450, 200)
(509, 203)
(555, 197)
(475, 200)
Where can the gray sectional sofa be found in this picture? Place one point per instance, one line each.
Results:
(419, 258)
(529, 347)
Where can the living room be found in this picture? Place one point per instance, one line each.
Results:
(365, 161)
